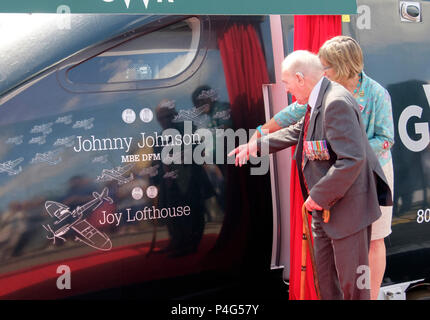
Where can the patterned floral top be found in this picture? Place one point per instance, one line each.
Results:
(376, 112)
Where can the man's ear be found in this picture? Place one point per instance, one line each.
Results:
(300, 78)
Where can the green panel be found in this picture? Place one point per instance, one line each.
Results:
(230, 7)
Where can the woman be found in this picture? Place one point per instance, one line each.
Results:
(342, 60)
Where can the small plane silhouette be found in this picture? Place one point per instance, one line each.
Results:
(117, 174)
(50, 157)
(45, 128)
(85, 124)
(67, 220)
(39, 140)
(195, 115)
(65, 119)
(9, 166)
(15, 140)
(67, 141)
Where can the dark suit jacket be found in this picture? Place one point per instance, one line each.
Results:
(351, 184)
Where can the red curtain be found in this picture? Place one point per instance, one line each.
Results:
(310, 32)
(245, 70)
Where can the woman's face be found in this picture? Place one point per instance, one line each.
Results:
(328, 70)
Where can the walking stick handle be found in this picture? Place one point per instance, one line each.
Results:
(326, 215)
(311, 250)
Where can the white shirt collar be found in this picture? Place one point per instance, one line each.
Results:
(314, 94)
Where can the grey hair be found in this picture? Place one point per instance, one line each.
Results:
(304, 62)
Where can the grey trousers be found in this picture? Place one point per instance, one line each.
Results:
(342, 265)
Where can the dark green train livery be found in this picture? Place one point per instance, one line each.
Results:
(93, 105)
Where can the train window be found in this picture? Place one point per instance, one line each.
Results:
(161, 54)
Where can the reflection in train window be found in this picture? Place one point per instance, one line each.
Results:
(161, 54)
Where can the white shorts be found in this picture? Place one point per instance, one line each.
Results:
(382, 227)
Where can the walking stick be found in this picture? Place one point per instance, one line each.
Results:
(307, 243)
(304, 263)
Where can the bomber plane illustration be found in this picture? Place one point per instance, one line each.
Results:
(45, 128)
(67, 221)
(65, 119)
(84, 124)
(39, 140)
(195, 115)
(50, 157)
(117, 174)
(9, 166)
(67, 141)
(15, 140)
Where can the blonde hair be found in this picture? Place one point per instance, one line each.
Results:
(344, 55)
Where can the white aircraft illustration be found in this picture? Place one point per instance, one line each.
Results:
(223, 115)
(45, 128)
(9, 166)
(65, 119)
(67, 141)
(101, 159)
(39, 140)
(86, 124)
(50, 157)
(117, 174)
(66, 221)
(192, 115)
(208, 94)
(15, 140)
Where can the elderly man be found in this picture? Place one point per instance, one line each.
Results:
(338, 171)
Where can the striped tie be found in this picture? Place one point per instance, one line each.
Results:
(305, 131)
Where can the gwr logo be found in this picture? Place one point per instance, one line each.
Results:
(145, 2)
(421, 128)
